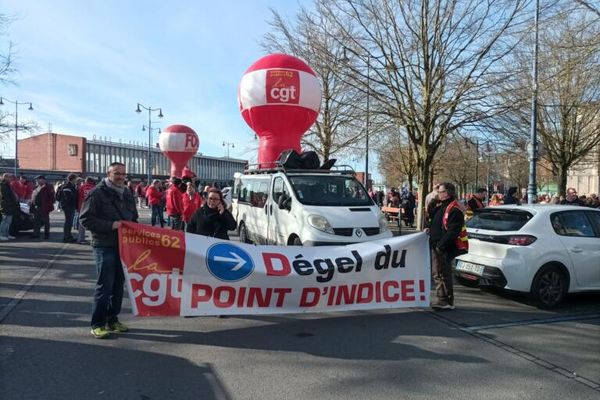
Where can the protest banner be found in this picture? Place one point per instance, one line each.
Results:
(176, 273)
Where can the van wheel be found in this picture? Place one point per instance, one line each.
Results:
(296, 241)
(549, 287)
(243, 232)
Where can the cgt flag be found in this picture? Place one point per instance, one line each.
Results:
(175, 273)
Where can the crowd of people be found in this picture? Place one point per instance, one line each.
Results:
(27, 205)
(406, 200)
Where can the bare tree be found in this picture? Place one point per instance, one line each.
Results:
(311, 37)
(432, 63)
(460, 167)
(396, 159)
(7, 69)
(568, 109)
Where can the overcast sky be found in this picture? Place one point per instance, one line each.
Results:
(86, 64)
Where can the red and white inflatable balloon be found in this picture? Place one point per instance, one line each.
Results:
(279, 98)
(179, 143)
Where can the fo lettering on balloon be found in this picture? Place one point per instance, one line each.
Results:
(179, 143)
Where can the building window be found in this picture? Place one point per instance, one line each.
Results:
(73, 150)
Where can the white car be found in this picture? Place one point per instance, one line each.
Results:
(544, 250)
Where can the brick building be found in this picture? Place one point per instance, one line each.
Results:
(53, 152)
(56, 155)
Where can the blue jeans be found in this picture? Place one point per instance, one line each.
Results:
(108, 295)
(157, 216)
(5, 225)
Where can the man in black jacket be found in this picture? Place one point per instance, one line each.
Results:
(446, 224)
(102, 212)
(67, 197)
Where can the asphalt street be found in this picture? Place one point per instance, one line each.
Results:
(494, 346)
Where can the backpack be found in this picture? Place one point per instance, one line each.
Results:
(59, 193)
(66, 196)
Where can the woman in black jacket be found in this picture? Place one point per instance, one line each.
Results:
(213, 218)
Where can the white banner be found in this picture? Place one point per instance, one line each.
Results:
(224, 277)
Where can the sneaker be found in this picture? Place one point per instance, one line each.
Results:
(117, 327)
(3, 238)
(100, 332)
(442, 306)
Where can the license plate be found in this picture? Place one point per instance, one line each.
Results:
(468, 267)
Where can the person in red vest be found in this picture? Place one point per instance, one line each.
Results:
(154, 196)
(82, 194)
(477, 200)
(17, 188)
(27, 189)
(175, 204)
(191, 202)
(447, 239)
(140, 192)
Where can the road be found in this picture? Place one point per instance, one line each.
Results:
(494, 346)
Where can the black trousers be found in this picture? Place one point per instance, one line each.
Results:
(39, 219)
(441, 269)
(68, 226)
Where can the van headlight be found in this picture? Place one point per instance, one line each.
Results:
(383, 224)
(319, 222)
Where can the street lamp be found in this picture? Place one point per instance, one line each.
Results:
(476, 144)
(228, 144)
(488, 149)
(160, 115)
(532, 187)
(16, 103)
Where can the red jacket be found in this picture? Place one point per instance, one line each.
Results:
(27, 190)
(140, 190)
(18, 188)
(174, 202)
(190, 205)
(153, 195)
(83, 192)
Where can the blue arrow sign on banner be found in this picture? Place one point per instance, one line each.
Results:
(228, 262)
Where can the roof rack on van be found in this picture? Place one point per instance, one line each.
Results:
(275, 166)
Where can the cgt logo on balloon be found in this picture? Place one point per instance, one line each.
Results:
(283, 86)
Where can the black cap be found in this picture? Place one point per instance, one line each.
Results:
(40, 177)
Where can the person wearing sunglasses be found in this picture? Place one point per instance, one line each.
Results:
(213, 218)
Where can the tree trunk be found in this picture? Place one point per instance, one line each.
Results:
(561, 179)
(424, 167)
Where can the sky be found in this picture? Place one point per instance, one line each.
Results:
(86, 64)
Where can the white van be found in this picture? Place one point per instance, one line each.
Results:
(305, 207)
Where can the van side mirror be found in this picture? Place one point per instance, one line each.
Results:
(284, 202)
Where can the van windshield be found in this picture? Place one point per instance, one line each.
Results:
(327, 190)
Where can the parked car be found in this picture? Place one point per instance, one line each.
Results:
(544, 250)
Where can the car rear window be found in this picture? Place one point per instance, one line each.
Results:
(499, 220)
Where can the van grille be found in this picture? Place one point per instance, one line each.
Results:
(343, 231)
(349, 231)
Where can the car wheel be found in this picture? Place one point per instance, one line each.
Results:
(296, 241)
(549, 287)
(243, 232)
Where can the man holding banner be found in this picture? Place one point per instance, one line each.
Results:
(448, 238)
(102, 213)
